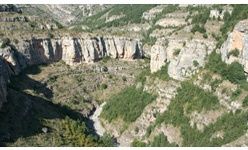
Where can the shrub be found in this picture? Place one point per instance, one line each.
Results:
(162, 73)
(215, 64)
(50, 35)
(205, 35)
(124, 78)
(103, 86)
(196, 98)
(137, 143)
(149, 39)
(236, 93)
(142, 76)
(198, 28)
(33, 24)
(161, 141)
(176, 52)
(5, 42)
(201, 17)
(235, 73)
(245, 102)
(16, 41)
(195, 63)
(128, 104)
(106, 59)
(106, 140)
(234, 52)
(74, 133)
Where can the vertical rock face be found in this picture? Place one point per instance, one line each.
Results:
(237, 41)
(190, 58)
(75, 51)
(158, 55)
(184, 57)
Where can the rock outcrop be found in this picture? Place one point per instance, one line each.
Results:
(158, 55)
(191, 57)
(73, 51)
(235, 48)
(184, 56)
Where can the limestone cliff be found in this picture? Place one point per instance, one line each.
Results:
(237, 41)
(184, 56)
(158, 55)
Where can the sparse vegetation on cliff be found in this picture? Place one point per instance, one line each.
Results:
(232, 124)
(233, 72)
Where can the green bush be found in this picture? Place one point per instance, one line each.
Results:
(137, 143)
(215, 64)
(195, 63)
(245, 102)
(236, 93)
(162, 73)
(161, 141)
(106, 59)
(234, 52)
(106, 140)
(142, 76)
(199, 28)
(149, 39)
(205, 35)
(128, 104)
(233, 72)
(196, 98)
(201, 17)
(74, 133)
(5, 42)
(176, 52)
(199, 20)
(103, 86)
(50, 35)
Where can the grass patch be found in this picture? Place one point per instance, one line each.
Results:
(127, 105)
(161, 141)
(162, 73)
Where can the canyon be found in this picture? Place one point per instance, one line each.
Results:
(112, 75)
